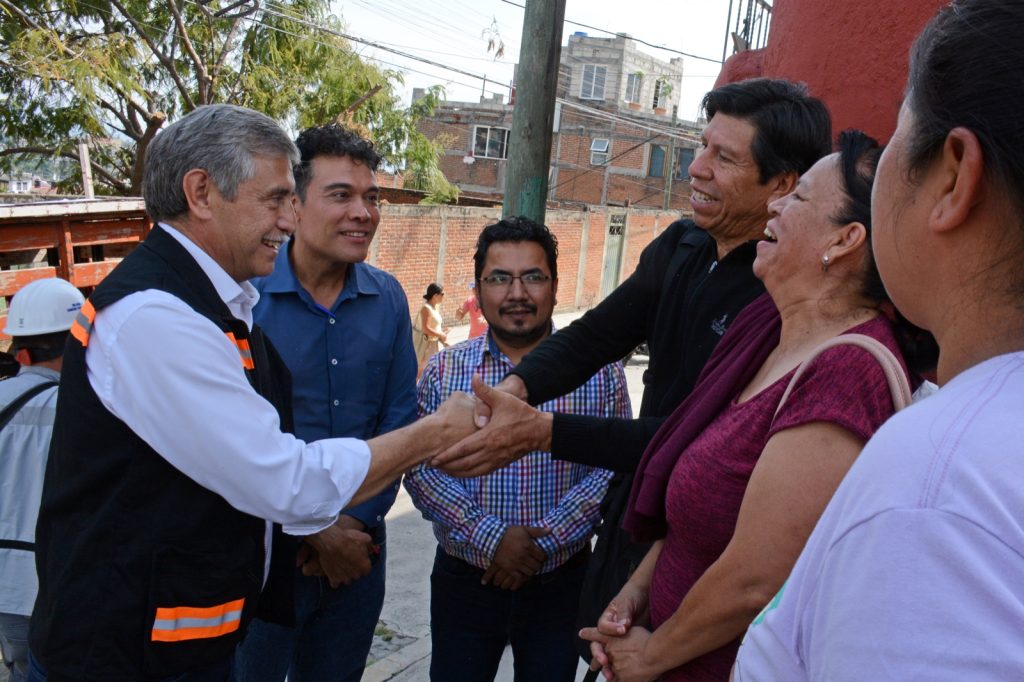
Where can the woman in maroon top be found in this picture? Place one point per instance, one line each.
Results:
(729, 489)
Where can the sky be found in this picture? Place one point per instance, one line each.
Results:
(455, 33)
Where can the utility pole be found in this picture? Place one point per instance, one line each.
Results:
(83, 160)
(526, 182)
(670, 161)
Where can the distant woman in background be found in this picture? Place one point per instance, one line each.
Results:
(427, 330)
(914, 571)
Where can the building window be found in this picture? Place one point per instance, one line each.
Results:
(634, 82)
(599, 151)
(684, 157)
(656, 163)
(680, 169)
(490, 143)
(593, 81)
(658, 84)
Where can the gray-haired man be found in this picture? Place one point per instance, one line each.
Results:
(168, 450)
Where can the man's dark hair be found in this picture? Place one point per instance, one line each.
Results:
(516, 229)
(330, 140)
(41, 347)
(794, 130)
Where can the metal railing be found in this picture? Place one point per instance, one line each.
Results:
(748, 27)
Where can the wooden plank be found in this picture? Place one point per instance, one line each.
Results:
(91, 274)
(13, 280)
(29, 238)
(43, 236)
(65, 229)
(57, 209)
(108, 232)
(65, 251)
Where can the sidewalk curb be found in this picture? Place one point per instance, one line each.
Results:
(386, 668)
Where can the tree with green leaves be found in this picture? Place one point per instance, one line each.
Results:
(113, 72)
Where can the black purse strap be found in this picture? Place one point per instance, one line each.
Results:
(15, 405)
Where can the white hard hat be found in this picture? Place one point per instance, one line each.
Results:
(44, 306)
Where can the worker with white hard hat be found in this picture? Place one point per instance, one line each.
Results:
(38, 321)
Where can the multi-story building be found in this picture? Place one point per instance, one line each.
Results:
(24, 183)
(617, 139)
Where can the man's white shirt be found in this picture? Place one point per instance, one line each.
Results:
(177, 381)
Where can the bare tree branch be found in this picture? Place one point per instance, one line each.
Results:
(359, 102)
(132, 104)
(225, 49)
(14, 9)
(202, 76)
(128, 128)
(164, 60)
(142, 148)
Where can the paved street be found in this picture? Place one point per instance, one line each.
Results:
(411, 546)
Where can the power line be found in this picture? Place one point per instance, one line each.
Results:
(615, 33)
(600, 114)
(402, 67)
(346, 36)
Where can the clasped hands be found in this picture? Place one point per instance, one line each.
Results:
(507, 429)
(517, 559)
(617, 644)
(343, 552)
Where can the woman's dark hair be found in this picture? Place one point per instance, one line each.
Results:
(858, 161)
(794, 130)
(965, 70)
(516, 229)
(433, 289)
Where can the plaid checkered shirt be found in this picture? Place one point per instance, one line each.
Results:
(470, 515)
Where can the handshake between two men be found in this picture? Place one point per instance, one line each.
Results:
(475, 435)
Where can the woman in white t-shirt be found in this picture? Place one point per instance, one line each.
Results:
(914, 572)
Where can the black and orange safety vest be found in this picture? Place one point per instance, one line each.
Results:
(143, 573)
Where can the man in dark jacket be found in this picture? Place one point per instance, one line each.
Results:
(689, 285)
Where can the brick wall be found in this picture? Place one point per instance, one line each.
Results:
(418, 244)
(423, 244)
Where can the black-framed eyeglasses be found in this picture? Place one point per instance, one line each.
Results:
(503, 280)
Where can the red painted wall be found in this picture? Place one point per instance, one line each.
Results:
(854, 56)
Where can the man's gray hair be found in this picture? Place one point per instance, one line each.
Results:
(221, 139)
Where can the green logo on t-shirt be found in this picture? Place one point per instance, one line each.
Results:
(771, 605)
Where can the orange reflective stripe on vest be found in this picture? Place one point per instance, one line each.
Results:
(243, 350)
(81, 328)
(182, 623)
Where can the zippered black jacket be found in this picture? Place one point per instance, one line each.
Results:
(680, 300)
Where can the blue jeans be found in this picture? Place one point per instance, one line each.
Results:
(470, 623)
(14, 645)
(218, 672)
(333, 634)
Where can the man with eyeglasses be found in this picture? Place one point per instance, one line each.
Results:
(513, 545)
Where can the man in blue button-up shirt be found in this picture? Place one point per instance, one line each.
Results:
(343, 329)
